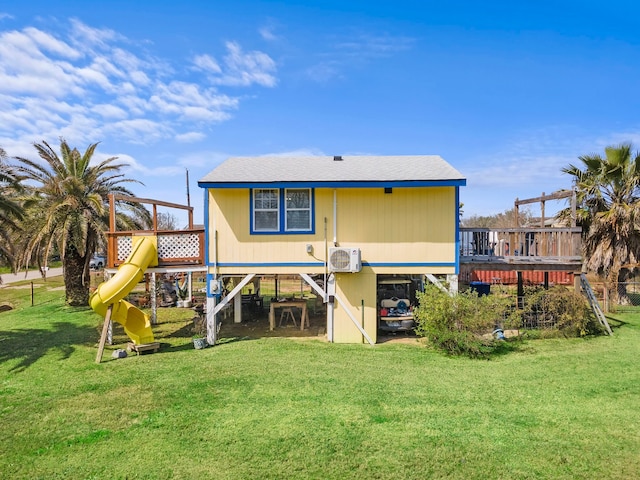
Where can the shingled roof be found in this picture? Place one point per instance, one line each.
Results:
(333, 171)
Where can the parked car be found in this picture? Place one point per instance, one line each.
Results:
(97, 262)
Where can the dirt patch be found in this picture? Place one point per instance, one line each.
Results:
(5, 308)
(258, 327)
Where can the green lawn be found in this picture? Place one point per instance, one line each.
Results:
(283, 408)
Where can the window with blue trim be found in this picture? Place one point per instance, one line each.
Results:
(288, 210)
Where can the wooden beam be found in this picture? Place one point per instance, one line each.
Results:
(127, 198)
(559, 195)
(112, 213)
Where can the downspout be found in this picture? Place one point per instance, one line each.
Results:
(326, 261)
(335, 218)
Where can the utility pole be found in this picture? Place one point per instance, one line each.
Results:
(188, 196)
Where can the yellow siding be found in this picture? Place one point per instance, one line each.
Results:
(353, 289)
(409, 225)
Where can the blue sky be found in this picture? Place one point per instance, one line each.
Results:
(507, 92)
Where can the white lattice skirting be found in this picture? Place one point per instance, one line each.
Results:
(169, 246)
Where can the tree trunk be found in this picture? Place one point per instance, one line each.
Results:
(76, 278)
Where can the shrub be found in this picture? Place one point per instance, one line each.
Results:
(459, 324)
(560, 310)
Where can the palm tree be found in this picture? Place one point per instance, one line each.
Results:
(68, 209)
(10, 211)
(607, 194)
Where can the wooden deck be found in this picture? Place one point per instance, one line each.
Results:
(521, 249)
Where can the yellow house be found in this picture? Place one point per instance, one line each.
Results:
(351, 220)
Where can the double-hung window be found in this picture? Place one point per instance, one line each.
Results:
(266, 208)
(298, 209)
(282, 210)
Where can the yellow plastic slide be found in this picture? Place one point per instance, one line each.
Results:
(135, 322)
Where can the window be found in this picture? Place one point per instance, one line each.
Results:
(266, 205)
(298, 205)
(288, 210)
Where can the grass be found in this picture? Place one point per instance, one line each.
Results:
(283, 408)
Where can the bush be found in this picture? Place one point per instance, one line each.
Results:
(459, 324)
(560, 310)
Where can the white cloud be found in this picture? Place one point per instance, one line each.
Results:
(139, 130)
(300, 152)
(86, 37)
(324, 71)
(138, 167)
(240, 69)
(189, 137)
(86, 83)
(207, 63)
(355, 48)
(51, 44)
(268, 31)
(188, 101)
(368, 45)
(108, 111)
(205, 160)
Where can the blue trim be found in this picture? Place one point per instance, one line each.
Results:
(282, 212)
(207, 231)
(321, 264)
(408, 264)
(271, 264)
(457, 252)
(337, 184)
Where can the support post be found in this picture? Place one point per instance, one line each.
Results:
(331, 295)
(154, 300)
(237, 308)
(520, 291)
(212, 321)
(105, 330)
(452, 279)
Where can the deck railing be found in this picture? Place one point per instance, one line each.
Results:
(558, 243)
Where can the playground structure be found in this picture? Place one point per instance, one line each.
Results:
(133, 254)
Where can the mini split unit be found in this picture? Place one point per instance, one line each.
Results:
(344, 259)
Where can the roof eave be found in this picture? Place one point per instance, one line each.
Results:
(459, 182)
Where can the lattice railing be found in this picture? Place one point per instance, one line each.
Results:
(174, 248)
(179, 246)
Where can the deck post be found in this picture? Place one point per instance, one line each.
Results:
(237, 309)
(520, 290)
(452, 280)
(154, 300)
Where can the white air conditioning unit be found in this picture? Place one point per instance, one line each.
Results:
(344, 259)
